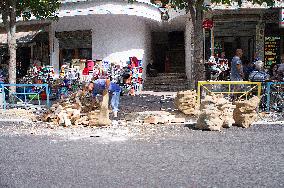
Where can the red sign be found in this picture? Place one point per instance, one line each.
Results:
(207, 24)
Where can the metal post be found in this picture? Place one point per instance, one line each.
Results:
(25, 96)
(3, 95)
(198, 93)
(204, 45)
(268, 96)
(259, 89)
(47, 95)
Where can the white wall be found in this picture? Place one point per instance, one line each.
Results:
(114, 37)
(118, 37)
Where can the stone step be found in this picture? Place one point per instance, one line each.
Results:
(165, 81)
(165, 77)
(171, 74)
(165, 84)
(177, 69)
(165, 87)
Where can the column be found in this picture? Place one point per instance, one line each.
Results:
(259, 43)
(54, 49)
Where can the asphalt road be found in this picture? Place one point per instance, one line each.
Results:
(238, 157)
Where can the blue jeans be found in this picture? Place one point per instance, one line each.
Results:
(115, 101)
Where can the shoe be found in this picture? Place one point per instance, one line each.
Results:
(115, 114)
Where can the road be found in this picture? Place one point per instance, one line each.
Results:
(237, 157)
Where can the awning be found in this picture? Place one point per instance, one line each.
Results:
(21, 37)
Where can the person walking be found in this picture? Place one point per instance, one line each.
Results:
(237, 73)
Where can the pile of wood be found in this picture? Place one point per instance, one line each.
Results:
(245, 113)
(79, 109)
(186, 102)
(215, 112)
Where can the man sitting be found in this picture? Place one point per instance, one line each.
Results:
(259, 75)
(151, 71)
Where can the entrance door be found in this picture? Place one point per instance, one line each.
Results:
(23, 61)
(168, 51)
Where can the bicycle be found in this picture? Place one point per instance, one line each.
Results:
(272, 101)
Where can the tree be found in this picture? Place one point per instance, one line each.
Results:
(10, 10)
(196, 8)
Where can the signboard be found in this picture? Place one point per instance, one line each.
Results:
(281, 21)
(271, 50)
(207, 24)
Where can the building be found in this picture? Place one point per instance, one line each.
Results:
(116, 30)
(253, 28)
(107, 30)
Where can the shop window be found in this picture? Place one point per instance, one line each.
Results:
(85, 53)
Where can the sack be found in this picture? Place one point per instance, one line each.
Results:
(258, 76)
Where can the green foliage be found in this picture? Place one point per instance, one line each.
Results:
(184, 4)
(41, 9)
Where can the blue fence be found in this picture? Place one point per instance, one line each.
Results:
(278, 91)
(26, 94)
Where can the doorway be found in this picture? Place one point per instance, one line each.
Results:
(230, 44)
(23, 61)
(168, 51)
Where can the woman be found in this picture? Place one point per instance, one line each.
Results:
(273, 72)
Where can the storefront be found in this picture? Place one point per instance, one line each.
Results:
(107, 34)
(32, 47)
(256, 31)
(273, 38)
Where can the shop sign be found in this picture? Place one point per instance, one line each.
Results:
(281, 21)
(207, 24)
(271, 50)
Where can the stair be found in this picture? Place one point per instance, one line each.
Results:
(166, 82)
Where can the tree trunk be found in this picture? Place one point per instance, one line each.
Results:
(11, 32)
(9, 20)
(12, 54)
(196, 13)
(198, 68)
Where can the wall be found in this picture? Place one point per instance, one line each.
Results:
(114, 38)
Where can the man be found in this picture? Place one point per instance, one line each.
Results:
(258, 75)
(105, 86)
(248, 68)
(237, 67)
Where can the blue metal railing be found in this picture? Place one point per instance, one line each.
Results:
(269, 92)
(24, 93)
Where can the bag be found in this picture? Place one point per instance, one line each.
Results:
(258, 76)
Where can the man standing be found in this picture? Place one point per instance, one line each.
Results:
(237, 67)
